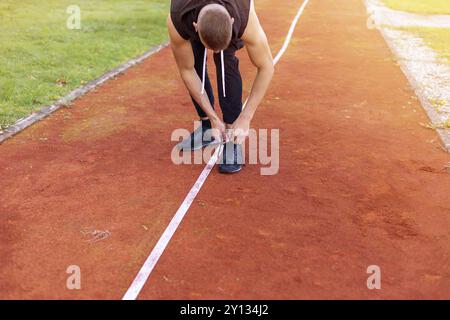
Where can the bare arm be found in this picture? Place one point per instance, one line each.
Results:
(182, 51)
(259, 52)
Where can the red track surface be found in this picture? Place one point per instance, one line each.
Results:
(360, 182)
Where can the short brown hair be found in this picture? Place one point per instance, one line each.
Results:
(215, 28)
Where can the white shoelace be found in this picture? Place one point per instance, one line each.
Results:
(204, 71)
(222, 61)
(223, 73)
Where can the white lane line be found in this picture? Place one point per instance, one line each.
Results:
(149, 264)
(158, 250)
(290, 33)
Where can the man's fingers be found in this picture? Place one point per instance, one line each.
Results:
(240, 139)
(216, 134)
(239, 136)
(240, 133)
(229, 135)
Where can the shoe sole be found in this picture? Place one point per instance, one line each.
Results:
(230, 172)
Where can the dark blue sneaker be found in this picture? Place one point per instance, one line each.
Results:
(198, 139)
(231, 160)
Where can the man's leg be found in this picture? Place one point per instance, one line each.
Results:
(198, 139)
(199, 51)
(231, 105)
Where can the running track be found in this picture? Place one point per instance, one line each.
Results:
(360, 182)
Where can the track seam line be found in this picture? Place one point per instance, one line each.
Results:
(149, 264)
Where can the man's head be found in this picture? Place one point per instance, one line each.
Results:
(215, 27)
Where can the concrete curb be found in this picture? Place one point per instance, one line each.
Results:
(418, 90)
(23, 123)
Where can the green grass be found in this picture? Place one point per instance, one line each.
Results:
(436, 38)
(420, 6)
(41, 59)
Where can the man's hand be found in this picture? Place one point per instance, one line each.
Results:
(218, 130)
(240, 129)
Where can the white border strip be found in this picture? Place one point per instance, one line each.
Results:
(149, 264)
(23, 123)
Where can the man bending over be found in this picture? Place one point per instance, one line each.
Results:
(223, 26)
